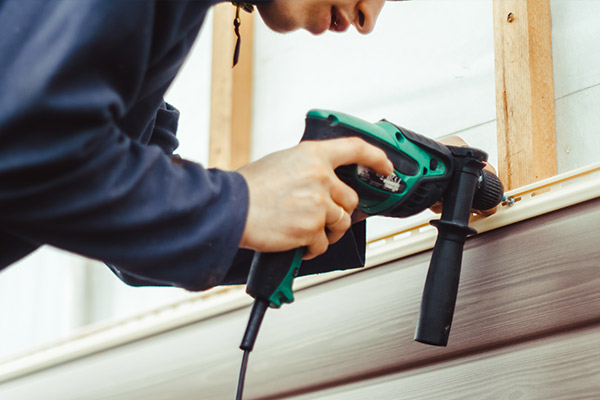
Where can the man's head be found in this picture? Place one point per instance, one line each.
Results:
(317, 16)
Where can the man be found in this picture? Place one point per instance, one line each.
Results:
(87, 164)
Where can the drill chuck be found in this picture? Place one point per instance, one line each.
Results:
(489, 191)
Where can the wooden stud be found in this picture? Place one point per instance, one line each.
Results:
(231, 92)
(524, 91)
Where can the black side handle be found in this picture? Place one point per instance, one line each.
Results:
(441, 285)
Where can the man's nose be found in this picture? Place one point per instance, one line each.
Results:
(366, 13)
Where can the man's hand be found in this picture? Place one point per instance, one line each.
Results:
(296, 199)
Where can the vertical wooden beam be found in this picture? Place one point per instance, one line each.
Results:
(524, 91)
(231, 91)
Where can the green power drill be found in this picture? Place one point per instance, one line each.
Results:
(425, 172)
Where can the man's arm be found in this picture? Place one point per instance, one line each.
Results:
(72, 178)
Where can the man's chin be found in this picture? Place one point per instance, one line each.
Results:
(277, 24)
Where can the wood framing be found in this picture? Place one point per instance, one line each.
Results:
(524, 91)
(231, 92)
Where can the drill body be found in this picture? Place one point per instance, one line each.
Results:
(424, 168)
(425, 172)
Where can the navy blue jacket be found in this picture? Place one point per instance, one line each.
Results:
(86, 147)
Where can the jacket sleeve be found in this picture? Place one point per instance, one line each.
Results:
(165, 128)
(13, 248)
(72, 178)
(348, 252)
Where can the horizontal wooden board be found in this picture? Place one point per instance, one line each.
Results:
(520, 282)
(556, 367)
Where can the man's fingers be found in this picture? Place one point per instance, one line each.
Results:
(338, 229)
(437, 207)
(486, 213)
(337, 222)
(356, 151)
(317, 247)
(343, 195)
(305, 204)
(453, 141)
(335, 213)
(490, 168)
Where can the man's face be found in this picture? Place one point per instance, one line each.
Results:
(317, 16)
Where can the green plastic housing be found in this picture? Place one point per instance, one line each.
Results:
(430, 162)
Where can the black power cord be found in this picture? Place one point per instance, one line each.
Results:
(256, 316)
(241, 379)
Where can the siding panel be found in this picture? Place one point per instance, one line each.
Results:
(523, 282)
(559, 367)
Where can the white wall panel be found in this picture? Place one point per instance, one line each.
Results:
(576, 59)
(41, 300)
(578, 129)
(427, 66)
(575, 50)
(190, 94)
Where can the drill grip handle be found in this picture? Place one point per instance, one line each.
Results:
(441, 285)
(272, 274)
